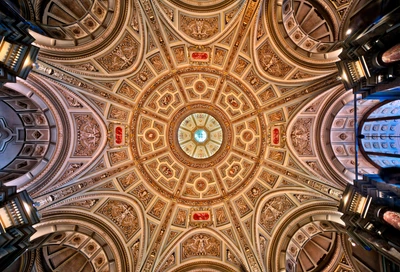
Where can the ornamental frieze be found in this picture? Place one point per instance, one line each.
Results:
(122, 215)
(301, 136)
(201, 244)
(271, 62)
(199, 28)
(122, 56)
(89, 135)
(273, 210)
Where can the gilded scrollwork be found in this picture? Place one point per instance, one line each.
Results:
(89, 134)
(199, 28)
(122, 215)
(201, 244)
(122, 56)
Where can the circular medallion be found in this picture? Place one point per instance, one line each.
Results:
(151, 135)
(200, 135)
(200, 185)
(200, 86)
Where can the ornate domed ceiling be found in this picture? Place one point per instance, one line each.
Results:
(192, 132)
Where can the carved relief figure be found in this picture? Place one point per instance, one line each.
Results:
(234, 170)
(273, 210)
(301, 136)
(199, 28)
(123, 215)
(219, 56)
(201, 245)
(179, 54)
(242, 206)
(142, 194)
(88, 135)
(180, 218)
(166, 171)
(221, 216)
(122, 56)
(271, 63)
(118, 156)
(157, 209)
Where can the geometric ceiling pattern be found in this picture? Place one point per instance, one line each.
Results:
(121, 78)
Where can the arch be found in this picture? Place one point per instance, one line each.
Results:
(56, 227)
(52, 114)
(195, 262)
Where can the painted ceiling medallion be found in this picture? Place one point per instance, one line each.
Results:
(200, 135)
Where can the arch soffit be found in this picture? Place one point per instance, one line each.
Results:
(77, 113)
(321, 120)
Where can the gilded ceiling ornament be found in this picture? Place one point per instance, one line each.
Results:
(89, 135)
(200, 135)
(118, 156)
(255, 192)
(180, 218)
(301, 75)
(155, 131)
(219, 56)
(242, 206)
(263, 246)
(201, 244)
(220, 216)
(302, 198)
(277, 156)
(199, 28)
(87, 204)
(135, 253)
(70, 170)
(169, 262)
(122, 56)
(300, 136)
(143, 76)
(157, 62)
(271, 62)
(89, 67)
(158, 209)
(240, 66)
(179, 52)
(232, 258)
(199, 55)
(266, 94)
(260, 29)
(127, 90)
(117, 135)
(168, 11)
(339, 3)
(314, 165)
(268, 177)
(276, 116)
(117, 113)
(273, 210)
(143, 194)
(200, 217)
(128, 179)
(122, 215)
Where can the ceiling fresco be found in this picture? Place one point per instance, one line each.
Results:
(191, 135)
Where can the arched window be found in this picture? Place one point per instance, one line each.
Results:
(379, 135)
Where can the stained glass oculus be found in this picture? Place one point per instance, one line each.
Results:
(200, 135)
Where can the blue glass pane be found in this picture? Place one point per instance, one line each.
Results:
(200, 135)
